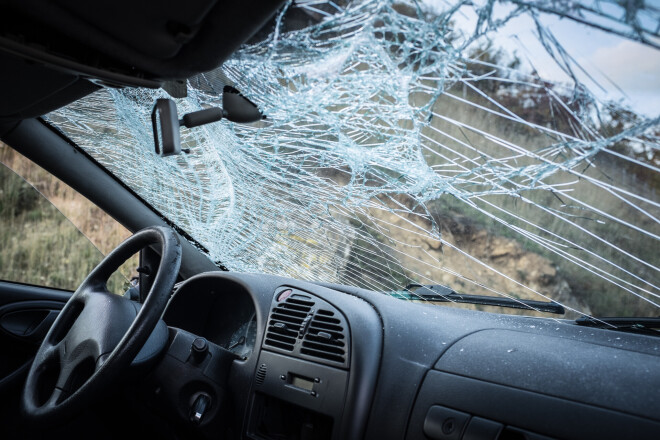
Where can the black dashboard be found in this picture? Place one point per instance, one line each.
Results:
(263, 357)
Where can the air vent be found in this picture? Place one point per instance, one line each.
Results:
(286, 321)
(261, 374)
(308, 327)
(325, 338)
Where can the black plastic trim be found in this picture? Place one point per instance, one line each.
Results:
(11, 291)
(535, 412)
(366, 329)
(97, 76)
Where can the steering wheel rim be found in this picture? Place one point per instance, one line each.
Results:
(98, 334)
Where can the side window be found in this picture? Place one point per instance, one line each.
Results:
(49, 234)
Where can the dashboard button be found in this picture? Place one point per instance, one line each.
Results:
(444, 424)
(199, 348)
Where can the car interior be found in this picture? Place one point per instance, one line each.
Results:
(203, 352)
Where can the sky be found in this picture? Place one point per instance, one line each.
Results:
(618, 69)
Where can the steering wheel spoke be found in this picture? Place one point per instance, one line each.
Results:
(49, 353)
(98, 334)
(54, 399)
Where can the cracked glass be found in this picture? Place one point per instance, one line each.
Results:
(504, 148)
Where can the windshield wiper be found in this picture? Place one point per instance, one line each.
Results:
(649, 326)
(439, 293)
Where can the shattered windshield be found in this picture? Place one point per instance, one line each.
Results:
(504, 148)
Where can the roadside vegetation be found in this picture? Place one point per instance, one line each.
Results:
(523, 264)
(533, 104)
(42, 242)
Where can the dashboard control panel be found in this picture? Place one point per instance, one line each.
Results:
(302, 376)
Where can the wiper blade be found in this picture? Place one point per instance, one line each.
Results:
(631, 324)
(439, 293)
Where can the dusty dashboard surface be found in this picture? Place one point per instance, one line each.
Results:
(285, 359)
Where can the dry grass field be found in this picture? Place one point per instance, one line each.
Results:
(54, 244)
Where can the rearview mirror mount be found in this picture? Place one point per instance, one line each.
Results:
(166, 124)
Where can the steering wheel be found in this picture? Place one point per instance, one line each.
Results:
(97, 335)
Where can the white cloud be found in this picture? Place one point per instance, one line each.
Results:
(630, 65)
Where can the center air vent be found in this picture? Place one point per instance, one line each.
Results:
(307, 327)
(325, 337)
(286, 321)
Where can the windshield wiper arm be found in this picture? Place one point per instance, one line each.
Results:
(439, 293)
(631, 324)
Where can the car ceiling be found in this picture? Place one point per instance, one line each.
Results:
(53, 53)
